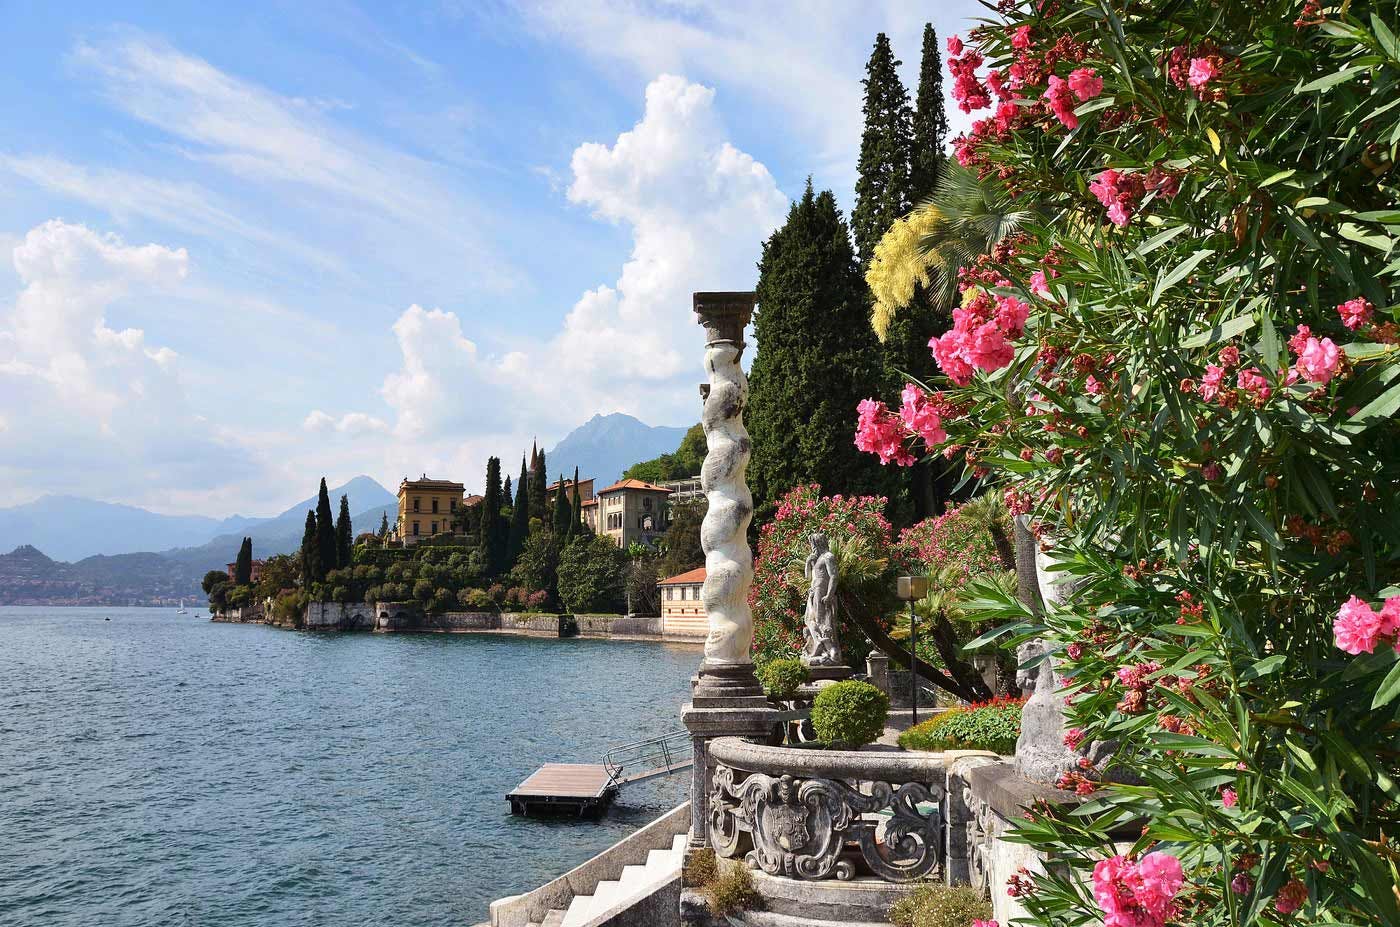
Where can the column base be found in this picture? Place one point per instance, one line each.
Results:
(727, 685)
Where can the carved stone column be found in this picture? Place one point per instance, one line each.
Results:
(726, 699)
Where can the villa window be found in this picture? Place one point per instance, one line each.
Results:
(415, 527)
(435, 503)
(454, 505)
(415, 504)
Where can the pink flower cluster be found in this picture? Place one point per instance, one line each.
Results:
(1119, 193)
(1138, 894)
(920, 414)
(1355, 312)
(963, 63)
(981, 923)
(879, 431)
(980, 336)
(1061, 95)
(1319, 359)
(1359, 628)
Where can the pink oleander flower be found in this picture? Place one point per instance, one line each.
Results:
(1211, 471)
(1390, 617)
(919, 413)
(1119, 193)
(1291, 897)
(1060, 101)
(981, 923)
(1357, 627)
(1355, 312)
(1202, 72)
(1021, 38)
(1092, 386)
(1229, 798)
(1075, 650)
(1040, 285)
(1073, 738)
(1011, 315)
(1086, 83)
(948, 352)
(1241, 884)
(1319, 360)
(955, 46)
(878, 431)
(1299, 341)
(1140, 894)
(1230, 356)
(1252, 381)
(1211, 382)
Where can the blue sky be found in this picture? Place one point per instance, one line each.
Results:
(242, 246)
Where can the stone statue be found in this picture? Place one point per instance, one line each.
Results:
(820, 646)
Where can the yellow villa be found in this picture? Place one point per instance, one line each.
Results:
(428, 507)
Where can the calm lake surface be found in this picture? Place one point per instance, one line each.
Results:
(159, 769)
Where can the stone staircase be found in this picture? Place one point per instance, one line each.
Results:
(613, 897)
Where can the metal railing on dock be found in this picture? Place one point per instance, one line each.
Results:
(647, 759)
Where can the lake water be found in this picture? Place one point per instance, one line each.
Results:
(159, 769)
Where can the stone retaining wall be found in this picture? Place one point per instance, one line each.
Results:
(339, 616)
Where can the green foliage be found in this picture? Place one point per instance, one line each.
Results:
(935, 905)
(344, 534)
(930, 121)
(681, 550)
(1213, 529)
(495, 533)
(279, 572)
(993, 725)
(310, 558)
(539, 485)
(384, 525)
(850, 713)
(816, 359)
(592, 575)
(519, 516)
(563, 512)
(325, 534)
(683, 464)
(643, 595)
(780, 678)
(886, 146)
(243, 563)
(211, 579)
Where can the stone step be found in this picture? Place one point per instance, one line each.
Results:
(555, 918)
(678, 844)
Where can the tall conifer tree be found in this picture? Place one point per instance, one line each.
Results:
(886, 147)
(325, 533)
(310, 552)
(930, 120)
(383, 525)
(576, 508)
(243, 564)
(519, 514)
(506, 493)
(561, 511)
(817, 358)
(344, 534)
(539, 490)
(493, 535)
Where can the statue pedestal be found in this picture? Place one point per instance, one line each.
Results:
(823, 676)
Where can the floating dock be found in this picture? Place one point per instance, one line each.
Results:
(580, 789)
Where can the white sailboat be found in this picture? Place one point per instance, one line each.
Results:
(182, 610)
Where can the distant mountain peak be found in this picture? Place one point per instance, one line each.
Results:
(607, 444)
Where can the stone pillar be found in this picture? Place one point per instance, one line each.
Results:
(877, 667)
(726, 698)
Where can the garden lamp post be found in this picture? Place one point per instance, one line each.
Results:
(911, 589)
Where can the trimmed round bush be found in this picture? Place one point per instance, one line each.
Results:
(780, 678)
(850, 713)
(993, 725)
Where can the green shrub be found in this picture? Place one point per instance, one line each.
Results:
(934, 905)
(732, 891)
(993, 725)
(850, 713)
(781, 678)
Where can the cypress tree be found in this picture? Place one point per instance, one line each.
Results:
(561, 511)
(310, 552)
(243, 564)
(886, 147)
(576, 508)
(344, 534)
(539, 490)
(493, 539)
(519, 515)
(383, 525)
(325, 534)
(506, 492)
(930, 121)
(817, 358)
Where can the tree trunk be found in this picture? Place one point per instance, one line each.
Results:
(900, 654)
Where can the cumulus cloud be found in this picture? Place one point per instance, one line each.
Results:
(354, 424)
(697, 209)
(89, 403)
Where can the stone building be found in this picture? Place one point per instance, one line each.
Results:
(686, 490)
(629, 510)
(428, 507)
(254, 575)
(682, 612)
(585, 490)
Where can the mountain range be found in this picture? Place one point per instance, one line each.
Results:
(122, 553)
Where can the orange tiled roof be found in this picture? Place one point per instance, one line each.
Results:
(473, 500)
(696, 575)
(588, 502)
(633, 484)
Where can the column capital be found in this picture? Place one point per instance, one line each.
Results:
(724, 315)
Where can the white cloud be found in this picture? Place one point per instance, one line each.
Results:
(90, 404)
(698, 211)
(354, 424)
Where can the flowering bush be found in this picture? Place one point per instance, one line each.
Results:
(992, 725)
(1198, 410)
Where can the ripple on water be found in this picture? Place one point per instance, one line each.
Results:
(163, 770)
